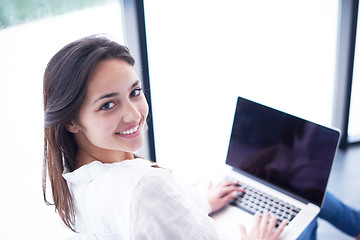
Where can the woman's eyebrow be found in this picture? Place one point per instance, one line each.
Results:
(108, 95)
(134, 84)
(114, 94)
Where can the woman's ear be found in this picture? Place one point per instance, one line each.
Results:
(72, 127)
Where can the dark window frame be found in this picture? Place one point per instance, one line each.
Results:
(348, 18)
(135, 37)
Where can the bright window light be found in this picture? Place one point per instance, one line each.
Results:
(354, 118)
(203, 54)
(25, 50)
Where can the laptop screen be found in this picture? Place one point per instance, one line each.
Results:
(289, 152)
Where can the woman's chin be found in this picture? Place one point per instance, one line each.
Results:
(133, 147)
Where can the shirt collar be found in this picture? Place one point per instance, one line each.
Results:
(90, 171)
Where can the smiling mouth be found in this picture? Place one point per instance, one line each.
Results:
(130, 131)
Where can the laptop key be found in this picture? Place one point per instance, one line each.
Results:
(253, 200)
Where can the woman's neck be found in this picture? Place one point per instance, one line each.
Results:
(83, 157)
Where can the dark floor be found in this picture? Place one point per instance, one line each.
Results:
(344, 182)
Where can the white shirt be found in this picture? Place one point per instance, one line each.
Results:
(133, 200)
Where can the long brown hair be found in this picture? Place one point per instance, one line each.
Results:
(64, 87)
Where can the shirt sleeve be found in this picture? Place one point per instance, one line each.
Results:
(160, 211)
(195, 194)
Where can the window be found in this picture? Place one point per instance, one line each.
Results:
(27, 42)
(354, 118)
(203, 54)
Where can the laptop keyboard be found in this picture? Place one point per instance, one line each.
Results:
(254, 200)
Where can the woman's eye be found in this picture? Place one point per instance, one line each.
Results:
(107, 106)
(136, 92)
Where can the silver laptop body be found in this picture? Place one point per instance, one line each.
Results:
(283, 162)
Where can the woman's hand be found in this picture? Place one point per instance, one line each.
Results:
(223, 193)
(263, 228)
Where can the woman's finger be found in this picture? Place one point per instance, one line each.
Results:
(280, 228)
(243, 231)
(257, 219)
(229, 189)
(272, 223)
(264, 221)
(229, 197)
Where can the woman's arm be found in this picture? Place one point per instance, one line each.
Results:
(160, 211)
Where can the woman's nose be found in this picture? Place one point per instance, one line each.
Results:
(131, 113)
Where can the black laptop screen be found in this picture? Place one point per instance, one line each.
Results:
(289, 152)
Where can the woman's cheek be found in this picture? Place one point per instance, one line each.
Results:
(144, 108)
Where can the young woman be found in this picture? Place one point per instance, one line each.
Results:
(95, 116)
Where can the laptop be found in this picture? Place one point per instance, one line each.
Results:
(282, 162)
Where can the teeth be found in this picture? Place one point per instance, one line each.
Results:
(130, 131)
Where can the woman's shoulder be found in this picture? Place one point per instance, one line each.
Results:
(136, 167)
(158, 181)
(97, 171)
(115, 181)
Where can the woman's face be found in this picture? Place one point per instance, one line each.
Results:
(114, 110)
